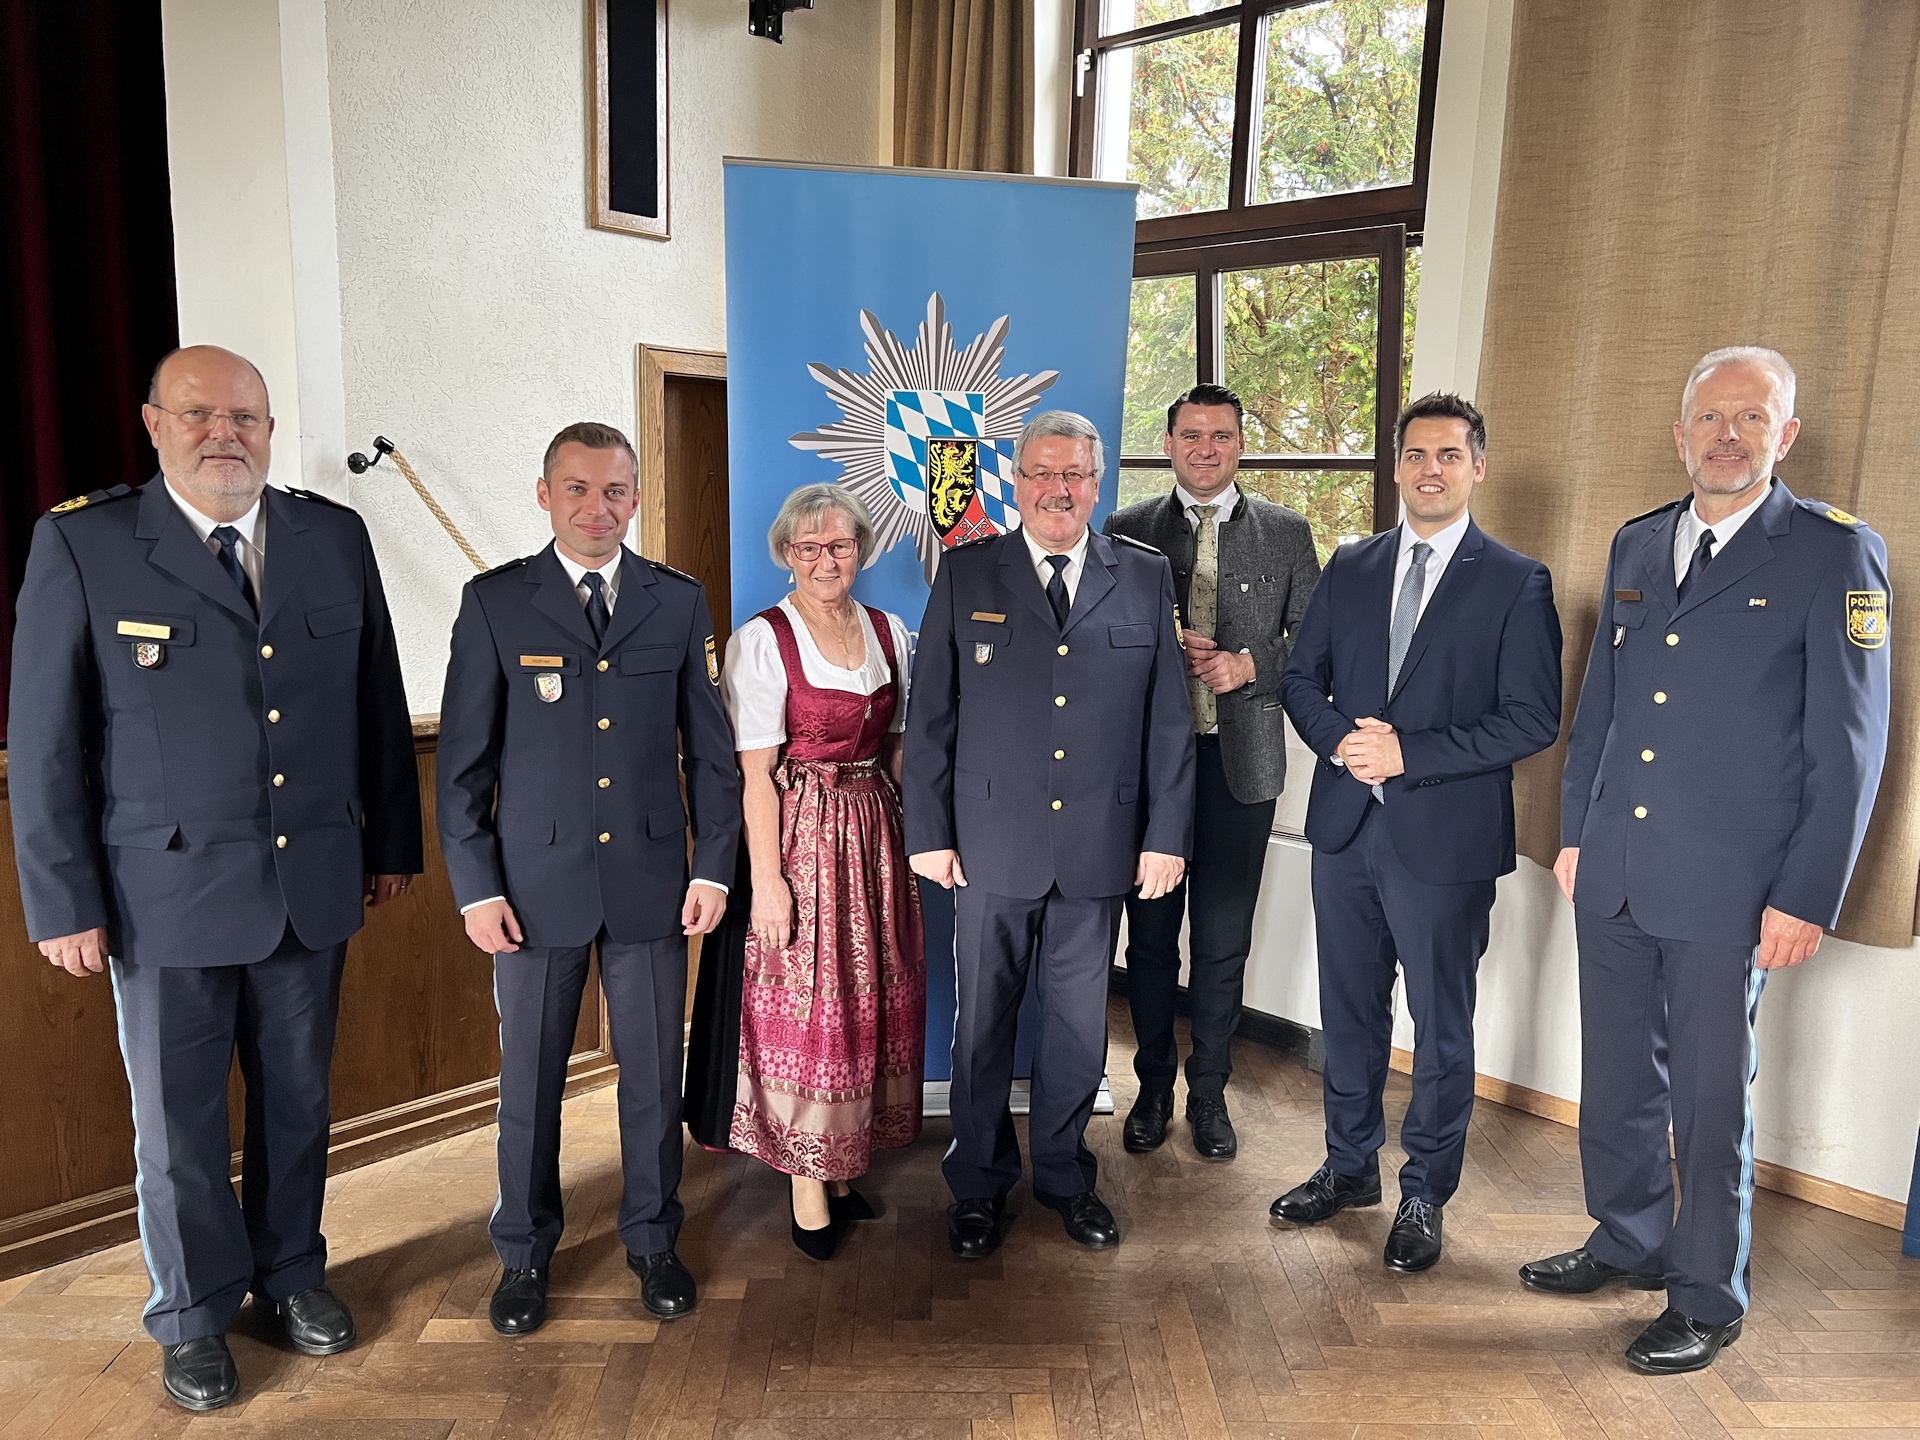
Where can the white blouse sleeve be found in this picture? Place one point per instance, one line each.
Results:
(902, 665)
(754, 685)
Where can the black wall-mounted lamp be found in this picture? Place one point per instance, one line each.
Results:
(765, 18)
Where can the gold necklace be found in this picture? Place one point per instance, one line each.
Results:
(843, 635)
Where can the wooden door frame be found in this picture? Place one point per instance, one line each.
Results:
(658, 364)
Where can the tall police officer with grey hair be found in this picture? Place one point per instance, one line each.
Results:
(1719, 776)
(582, 686)
(212, 774)
(1049, 769)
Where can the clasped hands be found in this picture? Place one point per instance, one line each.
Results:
(1371, 753)
(1219, 670)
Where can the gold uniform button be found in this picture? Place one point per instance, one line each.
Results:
(1673, 639)
(1659, 697)
(266, 652)
(1056, 804)
(605, 836)
(1059, 754)
(1063, 649)
(280, 841)
(1646, 755)
(273, 717)
(1639, 812)
(279, 780)
(1059, 700)
(601, 666)
(606, 724)
(605, 782)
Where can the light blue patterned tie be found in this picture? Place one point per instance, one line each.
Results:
(1406, 614)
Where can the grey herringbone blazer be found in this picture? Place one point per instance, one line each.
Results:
(1267, 569)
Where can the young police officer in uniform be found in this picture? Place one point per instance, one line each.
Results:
(583, 685)
(1719, 777)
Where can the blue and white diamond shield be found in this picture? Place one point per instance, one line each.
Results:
(915, 417)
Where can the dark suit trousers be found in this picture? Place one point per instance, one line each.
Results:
(1066, 946)
(180, 1029)
(1370, 912)
(537, 991)
(1223, 881)
(1666, 1029)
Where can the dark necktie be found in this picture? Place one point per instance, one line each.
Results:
(598, 615)
(1702, 557)
(229, 538)
(1057, 590)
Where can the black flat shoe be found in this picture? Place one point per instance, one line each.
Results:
(1577, 1273)
(1413, 1244)
(1146, 1127)
(814, 1244)
(199, 1374)
(519, 1302)
(666, 1286)
(1088, 1221)
(1675, 1344)
(973, 1227)
(1325, 1194)
(850, 1206)
(317, 1323)
(1213, 1136)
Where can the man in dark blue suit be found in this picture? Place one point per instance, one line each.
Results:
(1427, 664)
(582, 688)
(1719, 776)
(1049, 768)
(212, 775)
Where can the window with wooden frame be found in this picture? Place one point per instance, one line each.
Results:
(1281, 149)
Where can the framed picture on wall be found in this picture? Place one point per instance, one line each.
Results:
(627, 116)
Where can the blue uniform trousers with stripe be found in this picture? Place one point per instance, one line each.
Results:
(181, 1027)
(1667, 1030)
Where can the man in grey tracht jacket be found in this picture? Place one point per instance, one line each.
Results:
(1243, 568)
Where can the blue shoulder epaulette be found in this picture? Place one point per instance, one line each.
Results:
(667, 569)
(80, 502)
(502, 568)
(982, 540)
(1659, 510)
(1828, 512)
(323, 499)
(1137, 544)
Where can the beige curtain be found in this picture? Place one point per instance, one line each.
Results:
(1675, 178)
(963, 85)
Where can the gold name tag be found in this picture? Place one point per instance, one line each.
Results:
(543, 662)
(144, 631)
(990, 617)
(1626, 594)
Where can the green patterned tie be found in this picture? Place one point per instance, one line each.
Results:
(1203, 603)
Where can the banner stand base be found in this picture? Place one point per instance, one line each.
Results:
(934, 1101)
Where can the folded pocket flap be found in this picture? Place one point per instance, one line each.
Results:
(1130, 635)
(335, 619)
(665, 821)
(966, 782)
(649, 659)
(1129, 793)
(140, 834)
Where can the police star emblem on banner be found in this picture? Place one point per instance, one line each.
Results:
(927, 438)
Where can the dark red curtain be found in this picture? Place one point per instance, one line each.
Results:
(86, 258)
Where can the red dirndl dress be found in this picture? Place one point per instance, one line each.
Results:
(833, 1025)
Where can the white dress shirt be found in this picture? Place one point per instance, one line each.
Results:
(1686, 535)
(1070, 575)
(252, 549)
(754, 680)
(608, 570)
(1226, 500)
(1444, 544)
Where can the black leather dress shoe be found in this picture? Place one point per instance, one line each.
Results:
(1088, 1221)
(1325, 1194)
(1146, 1127)
(1577, 1272)
(199, 1374)
(1676, 1343)
(317, 1323)
(973, 1228)
(1414, 1242)
(519, 1302)
(666, 1286)
(1213, 1135)
(850, 1206)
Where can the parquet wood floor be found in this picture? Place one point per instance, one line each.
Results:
(1208, 1322)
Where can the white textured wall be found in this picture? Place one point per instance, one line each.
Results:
(479, 314)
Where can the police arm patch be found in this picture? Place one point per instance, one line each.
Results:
(713, 663)
(1867, 623)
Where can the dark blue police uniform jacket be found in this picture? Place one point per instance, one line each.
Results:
(1727, 749)
(589, 830)
(1049, 757)
(195, 796)
(1478, 690)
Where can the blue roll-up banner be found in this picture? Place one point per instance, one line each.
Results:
(891, 330)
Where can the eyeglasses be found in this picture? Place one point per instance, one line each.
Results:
(1073, 478)
(808, 551)
(244, 421)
